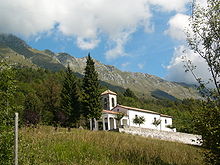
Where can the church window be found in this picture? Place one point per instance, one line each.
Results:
(113, 102)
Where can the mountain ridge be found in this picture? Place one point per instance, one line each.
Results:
(143, 84)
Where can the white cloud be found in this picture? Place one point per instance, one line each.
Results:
(125, 64)
(84, 20)
(178, 25)
(176, 69)
(170, 5)
(120, 40)
(26, 17)
(140, 66)
(87, 44)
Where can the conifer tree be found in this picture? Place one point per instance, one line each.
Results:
(70, 98)
(91, 91)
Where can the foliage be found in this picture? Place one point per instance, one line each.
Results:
(156, 122)
(207, 124)
(118, 117)
(139, 120)
(129, 93)
(91, 91)
(70, 98)
(46, 146)
(7, 110)
(205, 41)
(50, 97)
(32, 109)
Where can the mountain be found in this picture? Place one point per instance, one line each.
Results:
(17, 51)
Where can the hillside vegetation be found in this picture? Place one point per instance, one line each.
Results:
(44, 145)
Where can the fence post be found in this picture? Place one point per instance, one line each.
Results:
(16, 139)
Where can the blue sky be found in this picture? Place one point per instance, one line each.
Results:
(139, 36)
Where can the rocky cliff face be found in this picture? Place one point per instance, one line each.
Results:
(141, 83)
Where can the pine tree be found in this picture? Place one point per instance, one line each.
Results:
(70, 98)
(91, 91)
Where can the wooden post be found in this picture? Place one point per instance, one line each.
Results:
(16, 139)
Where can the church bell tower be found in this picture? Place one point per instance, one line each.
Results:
(109, 99)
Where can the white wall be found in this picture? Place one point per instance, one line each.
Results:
(119, 109)
(165, 124)
(149, 119)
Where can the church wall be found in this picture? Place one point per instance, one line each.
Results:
(165, 121)
(149, 119)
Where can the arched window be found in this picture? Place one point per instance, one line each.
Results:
(165, 121)
(105, 103)
(113, 102)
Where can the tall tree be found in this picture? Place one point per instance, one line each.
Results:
(70, 98)
(49, 93)
(91, 91)
(205, 41)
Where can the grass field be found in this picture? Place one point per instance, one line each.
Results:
(44, 146)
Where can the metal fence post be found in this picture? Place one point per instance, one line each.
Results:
(16, 139)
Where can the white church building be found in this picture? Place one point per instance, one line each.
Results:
(109, 120)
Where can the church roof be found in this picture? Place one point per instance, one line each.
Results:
(108, 111)
(108, 92)
(142, 110)
(112, 112)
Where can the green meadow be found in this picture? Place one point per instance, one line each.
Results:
(46, 146)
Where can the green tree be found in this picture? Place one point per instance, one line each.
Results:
(49, 91)
(156, 122)
(139, 120)
(7, 110)
(205, 41)
(118, 117)
(32, 109)
(70, 98)
(91, 91)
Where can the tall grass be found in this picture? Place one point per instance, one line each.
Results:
(46, 146)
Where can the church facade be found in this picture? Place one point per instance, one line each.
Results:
(110, 121)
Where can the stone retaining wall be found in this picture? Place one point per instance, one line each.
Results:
(164, 135)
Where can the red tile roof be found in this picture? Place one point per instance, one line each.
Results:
(112, 112)
(108, 92)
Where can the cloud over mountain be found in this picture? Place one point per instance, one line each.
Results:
(86, 21)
